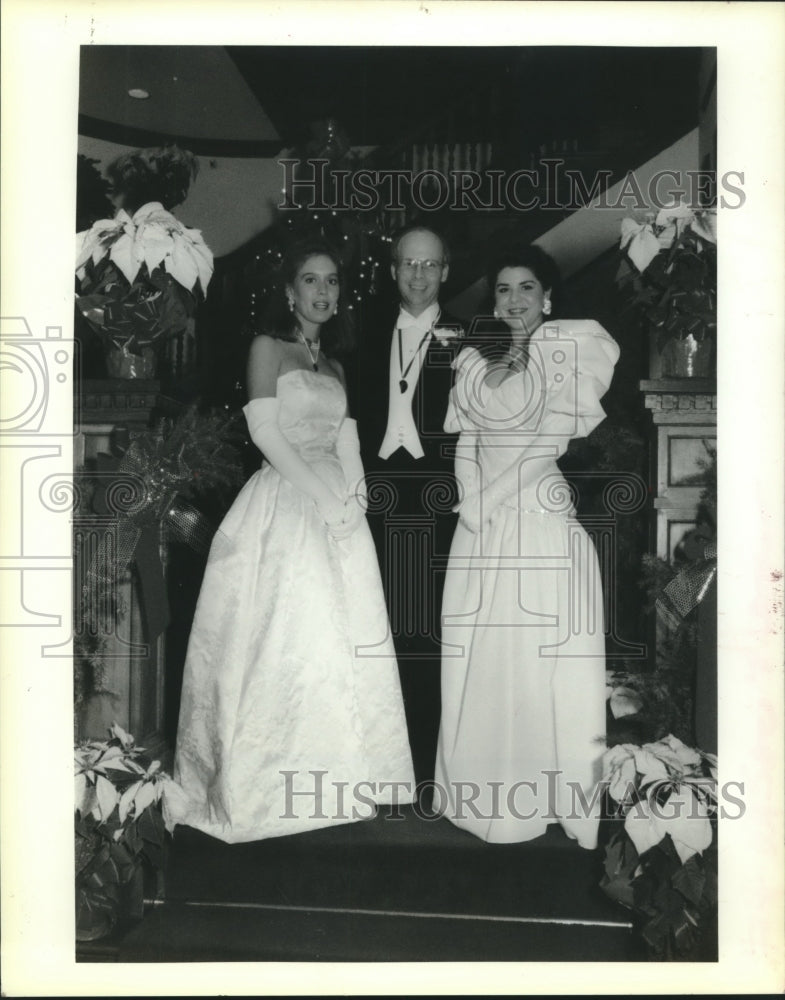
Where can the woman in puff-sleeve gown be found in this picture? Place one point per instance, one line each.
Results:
(523, 660)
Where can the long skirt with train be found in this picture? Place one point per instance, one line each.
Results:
(523, 656)
(523, 680)
(291, 716)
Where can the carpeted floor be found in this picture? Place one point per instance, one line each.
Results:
(383, 890)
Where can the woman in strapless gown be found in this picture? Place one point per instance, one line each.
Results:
(291, 716)
(523, 646)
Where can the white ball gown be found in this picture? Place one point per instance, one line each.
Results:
(290, 665)
(523, 657)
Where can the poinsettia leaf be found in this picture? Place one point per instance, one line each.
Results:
(656, 933)
(614, 858)
(127, 800)
(203, 258)
(181, 264)
(122, 254)
(106, 796)
(154, 854)
(690, 880)
(629, 229)
(82, 790)
(642, 827)
(104, 874)
(124, 739)
(710, 887)
(109, 827)
(619, 868)
(120, 854)
(670, 904)
(174, 314)
(132, 839)
(643, 887)
(155, 244)
(146, 794)
(150, 826)
(683, 926)
(619, 889)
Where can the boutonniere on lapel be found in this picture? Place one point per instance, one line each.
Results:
(444, 334)
(447, 333)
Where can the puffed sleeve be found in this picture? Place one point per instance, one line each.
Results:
(458, 420)
(574, 363)
(468, 367)
(578, 365)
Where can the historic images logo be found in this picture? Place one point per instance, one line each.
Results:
(549, 186)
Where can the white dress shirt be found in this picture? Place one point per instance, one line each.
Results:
(401, 430)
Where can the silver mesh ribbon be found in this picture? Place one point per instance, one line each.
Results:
(686, 590)
(184, 523)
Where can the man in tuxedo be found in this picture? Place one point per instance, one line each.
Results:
(404, 378)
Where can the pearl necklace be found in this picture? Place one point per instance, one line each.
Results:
(314, 358)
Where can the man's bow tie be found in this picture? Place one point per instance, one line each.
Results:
(407, 322)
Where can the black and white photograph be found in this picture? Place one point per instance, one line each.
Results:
(392, 525)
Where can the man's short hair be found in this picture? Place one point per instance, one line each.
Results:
(418, 228)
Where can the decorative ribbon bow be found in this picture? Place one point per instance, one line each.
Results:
(139, 534)
(688, 588)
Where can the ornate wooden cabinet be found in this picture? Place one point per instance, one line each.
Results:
(684, 415)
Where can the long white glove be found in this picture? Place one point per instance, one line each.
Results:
(262, 418)
(347, 447)
(479, 507)
(467, 469)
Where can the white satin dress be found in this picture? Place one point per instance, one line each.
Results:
(523, 656)
(291, 716)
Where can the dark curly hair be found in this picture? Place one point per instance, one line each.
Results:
(492, 336)
(163, 173)
(337, 334)
(530, 256)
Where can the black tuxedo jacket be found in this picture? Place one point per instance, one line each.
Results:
(429, 403)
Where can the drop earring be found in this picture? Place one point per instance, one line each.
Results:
(546, 307)
(495, 313)
(291, 304)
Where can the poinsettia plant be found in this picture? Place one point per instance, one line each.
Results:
(118, 824)
(673, 254)
(141, 276)
(662, 861)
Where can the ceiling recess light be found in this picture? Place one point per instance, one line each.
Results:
(138, 93)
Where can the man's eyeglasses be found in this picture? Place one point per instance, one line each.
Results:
(429, 266)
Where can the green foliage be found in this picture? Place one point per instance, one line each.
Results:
(661, 858)
(194, 456)
(666, 690)
(675, 904)
(118, 826)
(676, 295)
(196, 453)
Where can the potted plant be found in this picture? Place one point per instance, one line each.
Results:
(119, 830)
(671, 266)
(142, 273)
(661, 861)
